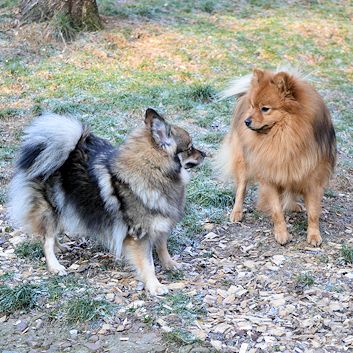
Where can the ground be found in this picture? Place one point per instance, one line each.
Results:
(238, 290)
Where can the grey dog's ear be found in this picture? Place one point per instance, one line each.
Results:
(160, 129)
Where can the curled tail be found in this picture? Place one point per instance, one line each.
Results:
(47, 144)
(237, 87)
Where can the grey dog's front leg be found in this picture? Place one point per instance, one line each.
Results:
(139, 253)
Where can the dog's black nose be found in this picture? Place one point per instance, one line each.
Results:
(248, 121)
(203, 154)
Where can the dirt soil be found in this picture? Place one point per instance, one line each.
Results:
(248, 286)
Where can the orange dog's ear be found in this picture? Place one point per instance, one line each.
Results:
(285, 85)
(257, 75)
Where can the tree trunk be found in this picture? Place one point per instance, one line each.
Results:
(82, 14)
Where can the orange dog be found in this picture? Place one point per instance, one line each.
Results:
(281, 137)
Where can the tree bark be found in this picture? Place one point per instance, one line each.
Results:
(83, 14)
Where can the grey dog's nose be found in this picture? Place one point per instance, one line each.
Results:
(248, 121)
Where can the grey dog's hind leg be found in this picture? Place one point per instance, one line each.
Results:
(43, 222)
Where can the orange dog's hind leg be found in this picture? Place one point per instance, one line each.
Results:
(312, 199)
(273, 197)
(240, 176)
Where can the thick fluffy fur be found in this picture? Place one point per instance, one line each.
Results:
(281, 137)
(128, 198)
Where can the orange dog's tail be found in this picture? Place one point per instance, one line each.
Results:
(237, 87)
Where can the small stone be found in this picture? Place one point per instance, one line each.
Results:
(238, 291)
(38, 324)
(229, 300)
(65, 345)
(136, 304)
(93, 347)
(2, 319)
(249, 264)
(208, 226)
(74, 267)
(73, 333)
(110, 296)
(221, 328)
(175, 286)
(348, 340)
(16, 240)
(164, 326)
(335, 306)
(243, 347)
(21, 325)
(216, 344)
(277, 299)
(93, 338)
(118, 299)
(105, 329)
(211, 236)
(278, 259)
(200, 334)
(35, 344)
(120, 328)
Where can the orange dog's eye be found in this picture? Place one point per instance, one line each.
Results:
(265, 109)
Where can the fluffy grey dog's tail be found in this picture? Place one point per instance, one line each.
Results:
(47, 144)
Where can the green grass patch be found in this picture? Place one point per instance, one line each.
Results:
(347, 253)
(204, 191)
(206, 196)
(15, 67)
(214, 137)
(9, 3)
(175, 275)
(57, 286)
(181, 304)
(305, 279)
(79, 310)
(8, 113)
(299, 226)
(32, 250)
(180, 337)
(21, 297)
(62, 27)
(202, 93)
(7, 276)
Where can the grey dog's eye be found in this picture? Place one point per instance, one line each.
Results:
(265, 109)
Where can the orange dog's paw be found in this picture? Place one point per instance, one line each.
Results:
(314, 239)
(236, 216)
(282, 237)
(171, 265)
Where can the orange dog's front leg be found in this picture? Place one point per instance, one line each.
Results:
(241, 182)
(280, 229)
(312, 198)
